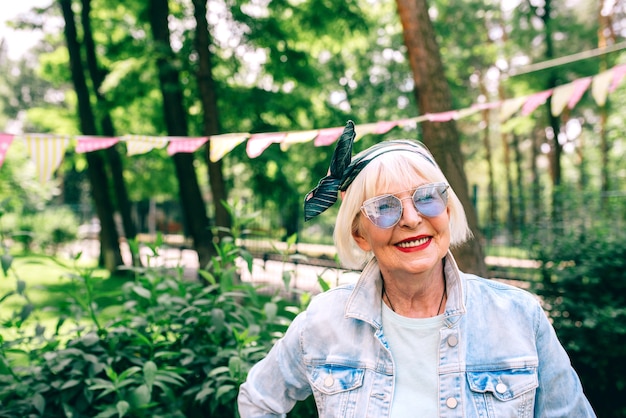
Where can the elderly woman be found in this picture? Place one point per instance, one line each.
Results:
(414, 337)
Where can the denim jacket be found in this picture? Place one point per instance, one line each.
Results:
(498, 356)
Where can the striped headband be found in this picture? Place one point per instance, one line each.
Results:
(343, 170)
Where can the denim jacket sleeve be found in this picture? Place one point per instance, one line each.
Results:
(278, 381)
(560, 393)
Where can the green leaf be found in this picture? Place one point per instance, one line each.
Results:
(234, 365)
(142, 291)
(21, 286)
(140, 396)
(218, 370)
(222, 390)
(149, 373)
(323, 284)
(69, 384)
(39, 403)
(204, 394)
(122, 408)
(6, 260)
(270, 309)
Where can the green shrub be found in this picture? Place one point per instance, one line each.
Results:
(584, 290)
(177, 348)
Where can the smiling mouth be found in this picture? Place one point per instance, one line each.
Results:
(413, 243)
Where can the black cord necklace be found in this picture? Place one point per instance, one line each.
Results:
(443, 295)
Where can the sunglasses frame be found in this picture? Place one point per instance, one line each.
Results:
(441, 189)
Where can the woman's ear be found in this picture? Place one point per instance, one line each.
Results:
(360, 240)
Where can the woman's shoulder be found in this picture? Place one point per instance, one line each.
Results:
(484, 289)
(333, 298)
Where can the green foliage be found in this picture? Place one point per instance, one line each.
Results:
(584, 289)
(176, 348)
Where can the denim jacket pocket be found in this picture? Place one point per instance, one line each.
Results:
(504, 393)
(336, 389)
(331, 379)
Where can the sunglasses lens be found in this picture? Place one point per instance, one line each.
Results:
(384, 211)
(431, 200)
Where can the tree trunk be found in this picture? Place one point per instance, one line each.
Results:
(115, 161)
(175, 117)
(208, 98)
(520, 201)
(109, 239)
(433, 95)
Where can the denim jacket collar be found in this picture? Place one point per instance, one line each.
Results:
(365, 301)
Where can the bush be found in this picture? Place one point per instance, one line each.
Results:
(177, 348)
(584, 290)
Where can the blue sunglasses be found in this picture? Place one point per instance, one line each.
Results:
(385, 211)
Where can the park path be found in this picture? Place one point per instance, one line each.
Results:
(264, 272)
(269, 272)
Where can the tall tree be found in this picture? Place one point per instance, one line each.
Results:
(433, 95)
(210, 120)
(176, 122)
(109, 239)
(106, 122)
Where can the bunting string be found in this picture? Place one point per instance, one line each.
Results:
(47, 151)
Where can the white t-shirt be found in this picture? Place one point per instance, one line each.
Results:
(414, 345)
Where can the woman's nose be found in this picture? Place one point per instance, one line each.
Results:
(410, 215)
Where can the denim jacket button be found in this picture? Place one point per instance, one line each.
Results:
(452, 340)
(328, 381)
(451, 403)
(500, 388)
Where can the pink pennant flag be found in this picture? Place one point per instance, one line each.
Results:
(5, 142)
(618, 75)
(184, 144)
(535, 101)
(327, 136)
(580, 87)
(94, 143)
(384, 127)
(259, 142)
(443, 116)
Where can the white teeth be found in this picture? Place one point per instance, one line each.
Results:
(415, 243)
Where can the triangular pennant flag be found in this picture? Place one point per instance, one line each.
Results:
(442, 116)
(580, 87)
(327, 136)
(618, 75)
(94, 143)
(600, 86)
(561, 97)
(141, 144)
(534, 101)
(510, 107)
(297, 137)
(365, 129)
(5, 143)
(46, 151)
(259, 142)
(184, 144)
(220, 145)
(384, 127)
